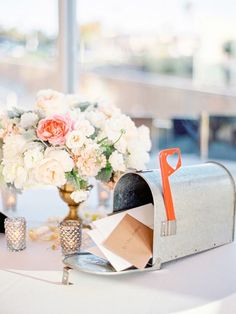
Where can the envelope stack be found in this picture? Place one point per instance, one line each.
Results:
(124, 239)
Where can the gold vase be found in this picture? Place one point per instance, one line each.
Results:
(65, 192)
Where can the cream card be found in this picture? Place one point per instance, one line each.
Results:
(131, 240)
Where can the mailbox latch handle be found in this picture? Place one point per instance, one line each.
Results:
(168, 226)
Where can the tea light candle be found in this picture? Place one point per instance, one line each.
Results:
(104, 196)
(70, 236)
(15, 231)
(9, 198)
(11, 201)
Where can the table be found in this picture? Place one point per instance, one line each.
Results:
(30, 281)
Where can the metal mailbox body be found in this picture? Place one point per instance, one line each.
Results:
(204, 201)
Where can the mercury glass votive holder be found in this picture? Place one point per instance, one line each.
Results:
(15, 231)
(70, 236)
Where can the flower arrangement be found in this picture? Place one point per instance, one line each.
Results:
(63, 140)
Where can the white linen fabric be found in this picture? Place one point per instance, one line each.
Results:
(30, 281)
(205, 282)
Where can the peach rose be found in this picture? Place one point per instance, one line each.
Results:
(54, 129)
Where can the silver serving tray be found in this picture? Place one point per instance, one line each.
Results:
(89, 263)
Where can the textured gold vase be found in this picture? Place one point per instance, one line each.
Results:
(65, 192)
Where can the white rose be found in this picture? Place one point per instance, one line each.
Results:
(85, 127)
(31, 181)
(75, 114)
(51, 102)
(96, 118)
(9, 172)
(50, 172)
(117, 161)
(109, 110)
(13, 146)
(144, 137)
(21, 177)
(138, 148)
(138, 158)
(119, 130)
(33, 154)
(72, 100)
(75, 140)
(79, 196)
(62, 157)
(113, 128)
(121, 145)
(28, 120)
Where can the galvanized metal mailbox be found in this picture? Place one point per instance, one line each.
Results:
(201, 215)
(204, 198)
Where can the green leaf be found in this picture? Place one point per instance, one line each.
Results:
(74, 178)
(85, 105)
(105, 174)
(95, 134)
(83, 184)
(15, 113)
(107, 147)
(108, 150)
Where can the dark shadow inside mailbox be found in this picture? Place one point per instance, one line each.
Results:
(131, 191)
(204, 201)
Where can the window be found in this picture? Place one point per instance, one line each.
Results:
(28, 49)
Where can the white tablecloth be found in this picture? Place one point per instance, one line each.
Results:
(30, 281)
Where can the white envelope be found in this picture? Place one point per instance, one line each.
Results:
(144, 214)
(103, 228)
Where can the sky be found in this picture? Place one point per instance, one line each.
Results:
(122, 15)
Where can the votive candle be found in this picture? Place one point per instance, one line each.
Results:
(9, 198)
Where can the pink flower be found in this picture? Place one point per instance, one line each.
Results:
(54, 129)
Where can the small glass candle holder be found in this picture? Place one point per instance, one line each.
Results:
(70, 236)
(15, 231)
(9, 198)
(104, 196)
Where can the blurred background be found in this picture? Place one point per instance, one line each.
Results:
(169, 64)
